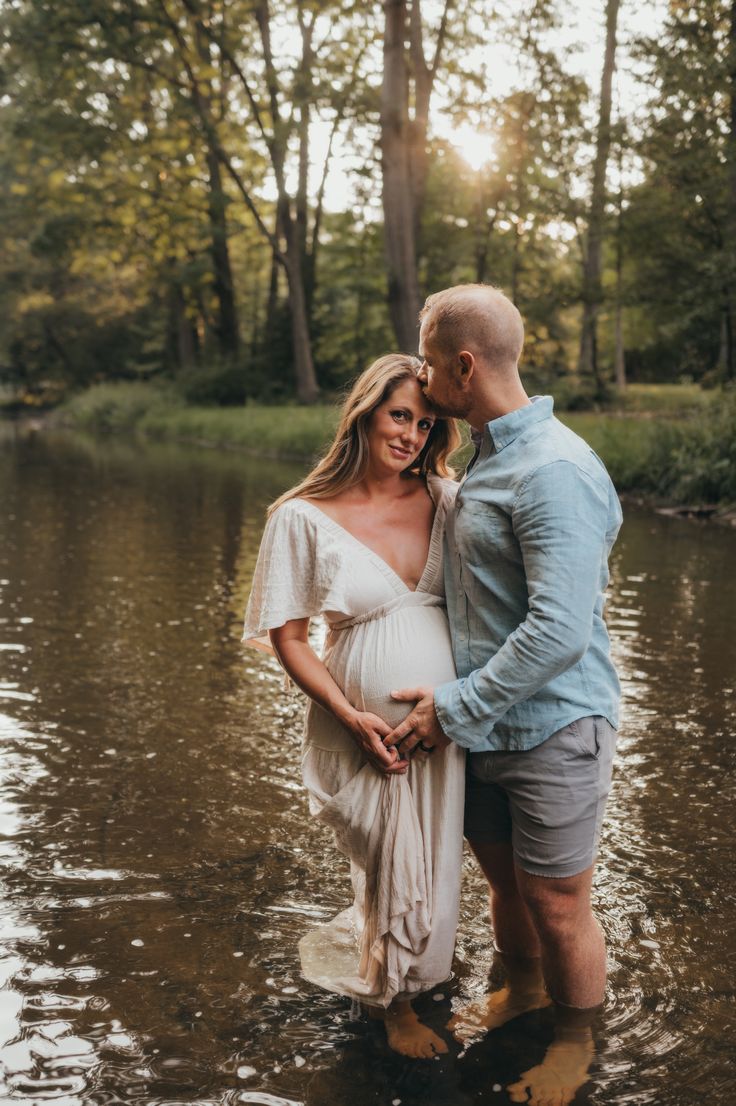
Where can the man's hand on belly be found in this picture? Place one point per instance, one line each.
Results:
(421, 728)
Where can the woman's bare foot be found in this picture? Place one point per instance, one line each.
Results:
(407, 1035)
(560, 1075)
(494, 1010)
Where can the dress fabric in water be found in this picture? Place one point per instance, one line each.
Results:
(402, 834)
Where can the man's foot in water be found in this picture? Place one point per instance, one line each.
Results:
(523, 991)
(493, 1010)
(407, 1035)
(561, 1074)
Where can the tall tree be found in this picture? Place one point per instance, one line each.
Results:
(593, 260)
(619, 356)
(679, 249)
(408, 81)
(728, 355)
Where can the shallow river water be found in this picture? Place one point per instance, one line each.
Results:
(157, 862)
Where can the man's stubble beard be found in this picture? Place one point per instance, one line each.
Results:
(459, 410)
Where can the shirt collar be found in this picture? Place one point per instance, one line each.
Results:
(503, 431)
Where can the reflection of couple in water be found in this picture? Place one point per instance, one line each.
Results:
(462, 618)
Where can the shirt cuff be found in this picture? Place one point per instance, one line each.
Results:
(455, 718)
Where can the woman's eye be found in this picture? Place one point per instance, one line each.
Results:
(425, 426)
(398, 415)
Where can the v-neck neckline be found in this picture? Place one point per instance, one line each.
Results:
(388, 571)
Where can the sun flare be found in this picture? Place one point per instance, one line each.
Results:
(473, 146)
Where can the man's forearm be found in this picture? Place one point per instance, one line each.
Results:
(469, 708)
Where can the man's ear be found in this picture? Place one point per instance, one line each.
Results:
(466, 365)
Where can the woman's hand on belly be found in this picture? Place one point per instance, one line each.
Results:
(291, 645)
(368, 732)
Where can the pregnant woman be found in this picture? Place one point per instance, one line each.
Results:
(359, 542)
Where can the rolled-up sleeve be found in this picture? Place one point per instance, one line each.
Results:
(560, 519)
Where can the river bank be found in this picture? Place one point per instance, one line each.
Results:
(672, 447)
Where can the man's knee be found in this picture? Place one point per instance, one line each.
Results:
(558, 906)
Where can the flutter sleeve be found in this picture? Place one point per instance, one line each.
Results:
(288, 581)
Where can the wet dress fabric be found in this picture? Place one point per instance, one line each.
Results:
(402, 834)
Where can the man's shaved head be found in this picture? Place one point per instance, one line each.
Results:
(477, 318)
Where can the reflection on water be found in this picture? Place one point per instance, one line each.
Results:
(157, 862)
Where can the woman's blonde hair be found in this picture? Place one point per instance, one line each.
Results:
(346, 460)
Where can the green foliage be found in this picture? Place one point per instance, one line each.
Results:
(638, 453)
(111, 408)
(705, 462)
(279, 431)
(676, 460)
(218, 385)
(351, 323)
(575, 394)
(117, 195)
(678, 224)
(678, 401)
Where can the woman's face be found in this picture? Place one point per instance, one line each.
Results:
(398, 429)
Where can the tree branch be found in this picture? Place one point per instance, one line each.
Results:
(236, 68)
(213, 139)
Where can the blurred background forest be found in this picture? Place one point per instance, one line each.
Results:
(251, 199)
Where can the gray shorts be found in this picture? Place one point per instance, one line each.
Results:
(547, 801)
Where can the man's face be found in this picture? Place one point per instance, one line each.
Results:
(439, 383)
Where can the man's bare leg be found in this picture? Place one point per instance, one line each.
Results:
(513, 927)
(518, 951)
(574, 963)
(572, 945)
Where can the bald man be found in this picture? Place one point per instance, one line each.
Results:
(536, 699)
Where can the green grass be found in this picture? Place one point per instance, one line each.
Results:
(676, 400)
(637, 452)
(674, 443)
(111, 408)
(288, 431)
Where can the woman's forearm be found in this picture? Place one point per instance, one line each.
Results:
(291, 645)
(305, 668)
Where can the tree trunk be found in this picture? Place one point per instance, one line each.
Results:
(226, 327)
(730, 314)
(307, 388)
(227, 316)
(292, 229)
(303, 96)
(516, 262)
(424, 75)
(592, 289)
(619, 356)
(272, 301)
(180, 337)
(484, 224)
(619, 359)
(398, 208)
(404, 157)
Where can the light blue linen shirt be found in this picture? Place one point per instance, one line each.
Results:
(526, 568)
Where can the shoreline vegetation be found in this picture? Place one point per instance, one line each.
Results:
(672, 446)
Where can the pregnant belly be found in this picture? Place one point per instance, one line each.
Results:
(406, 649)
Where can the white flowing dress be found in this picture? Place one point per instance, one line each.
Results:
(403, 833)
